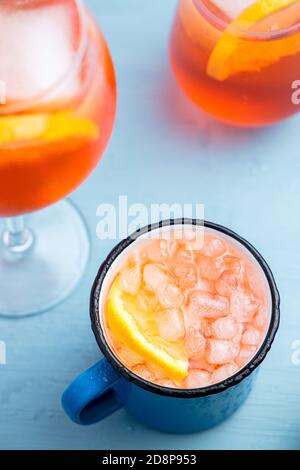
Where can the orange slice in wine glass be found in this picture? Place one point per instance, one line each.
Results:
(47, 128)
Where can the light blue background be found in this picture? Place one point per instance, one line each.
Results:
(162, 150)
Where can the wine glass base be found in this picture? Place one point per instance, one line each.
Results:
(46, 274)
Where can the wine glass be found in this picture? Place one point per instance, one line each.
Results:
(57, 109)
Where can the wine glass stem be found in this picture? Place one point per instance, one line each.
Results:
(17, 238)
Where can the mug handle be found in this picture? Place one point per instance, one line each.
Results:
(91, 397)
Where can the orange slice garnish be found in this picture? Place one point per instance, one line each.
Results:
(234, 54)
(136, 330)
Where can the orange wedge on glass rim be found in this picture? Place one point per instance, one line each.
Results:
(235, 52)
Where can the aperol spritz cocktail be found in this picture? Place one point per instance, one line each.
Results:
(59, 108)
(57, 113)
(238, 60)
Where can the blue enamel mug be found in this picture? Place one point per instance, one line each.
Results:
(109, 385)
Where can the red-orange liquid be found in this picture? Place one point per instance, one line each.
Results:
(246, 99)
(36, 174)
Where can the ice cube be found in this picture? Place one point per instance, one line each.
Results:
(221, 351)
(261, 318)
(164, 248)
(147, 300)
(232, 8)
(188, 235)
(206, 286)
(166, 383)
(255, 281)
(128, 357)
(227, 283)
(157, 250)
(240, 330)
(184, 256)
(143, 371)
(205, 328)
(197, 379)
(206, 305)
(242, 306)
(223, 373)
(154, 275)
(170, 324)
(169, 295)
(172, 247)
(37, 50)
(233, 276)
(194, 239)
(245, 355)
(251, 336)
(210, 269)
(195, 343)
(199, 362)
(130, 280)
(187, 275)
(215, 247)
(224, 328)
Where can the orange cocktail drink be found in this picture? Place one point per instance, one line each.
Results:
(57, 110)
(238, 61)
(186, 314)
(56, 120)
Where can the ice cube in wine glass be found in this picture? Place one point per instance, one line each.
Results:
(42, 45)
(232, 9)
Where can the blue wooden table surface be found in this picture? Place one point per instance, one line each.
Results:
(162, 150)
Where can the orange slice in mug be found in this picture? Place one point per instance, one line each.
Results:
(137, 331)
